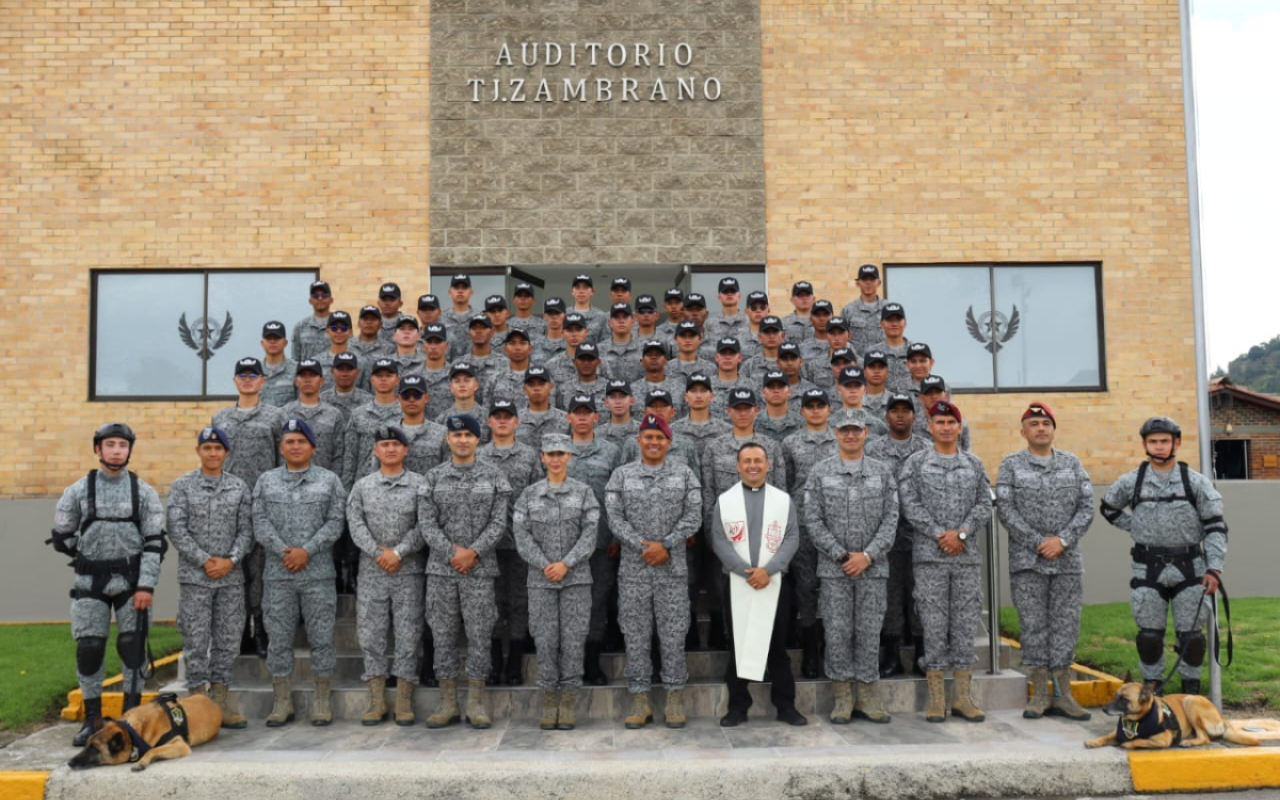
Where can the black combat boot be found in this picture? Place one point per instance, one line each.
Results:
(891, 658)
(259, 636)
(131, 700)
(1191, 686)
(92, 722)
(514, 673)
(495, 663)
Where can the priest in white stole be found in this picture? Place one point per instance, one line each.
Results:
(754, 533)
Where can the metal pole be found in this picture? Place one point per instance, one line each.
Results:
(993, 591)
(1197, 280)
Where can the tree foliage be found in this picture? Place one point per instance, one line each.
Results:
(1258, 369)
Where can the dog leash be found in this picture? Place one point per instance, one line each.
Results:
(1217, 637)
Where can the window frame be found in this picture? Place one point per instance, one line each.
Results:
(991, 267)
(96, 274)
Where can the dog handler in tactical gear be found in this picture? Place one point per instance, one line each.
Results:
(111, 524)
(382, 513)
(1180, 545)
(1046, 504)
(298, 513)
(555, 524)
(210, 516)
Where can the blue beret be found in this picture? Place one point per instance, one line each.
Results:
(463, 422)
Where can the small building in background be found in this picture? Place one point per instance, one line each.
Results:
(1245, 429)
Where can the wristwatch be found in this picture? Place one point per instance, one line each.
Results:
(964, 535)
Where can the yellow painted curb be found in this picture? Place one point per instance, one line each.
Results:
(112, 701)
(1096, 692)
(23, 785)
(1205, 769)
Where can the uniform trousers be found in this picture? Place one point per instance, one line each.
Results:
(315, 602)
(853, 615)
(949, 601)
(91, 618)
(1049, 615)
(210, 619)
(642, 606)
(389, 601)
(456, 606)
(560, 618)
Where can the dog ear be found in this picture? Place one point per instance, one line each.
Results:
(1128, 676)
(116, 743)
(1144, 694)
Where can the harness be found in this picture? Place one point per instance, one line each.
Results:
(1151, 724)
(130, 566)
(177, 728)
(1157, 558)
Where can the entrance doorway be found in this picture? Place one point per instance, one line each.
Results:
(1231, 459)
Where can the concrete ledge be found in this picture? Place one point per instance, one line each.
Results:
(1210, 769)
(26, 785)
(753, 774)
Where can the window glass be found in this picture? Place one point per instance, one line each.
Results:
(1049, 318)
(250, 300)
(938, 301)
(139, 344)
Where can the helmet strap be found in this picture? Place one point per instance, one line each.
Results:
(1162, 460)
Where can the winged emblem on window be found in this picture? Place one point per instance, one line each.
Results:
(993, 329)
(204, 336)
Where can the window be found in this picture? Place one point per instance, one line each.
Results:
(1006, 327)
(176, 334)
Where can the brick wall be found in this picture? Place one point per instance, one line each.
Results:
(974, 132)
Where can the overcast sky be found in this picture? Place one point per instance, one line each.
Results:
(1236, 61)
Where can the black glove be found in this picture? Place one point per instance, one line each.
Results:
(62, 543)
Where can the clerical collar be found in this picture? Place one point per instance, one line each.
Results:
(754, 488)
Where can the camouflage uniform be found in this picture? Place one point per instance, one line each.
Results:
(536, 424)
(618, 434)
(672, 385)
(464, 505)
(522, 467)
(330, 427)
(382, 511)
(683, 369)
(112, 538)
(683, 451)
(899, 379)
(623, 358)
(507, 384)
(545, 350)
(852, 507)
(1039, 498)
(718, 327)
(480, 413)
(921, 428)
(427, 446)
(551, 524)
(533, 326)
(346, 403)
(900, 617)
(309, 339)
(299, 509)
(941, 493)
(720, 467)
(781, 428)
(797, 328)
(800, 453)
(369, 352)
(439, 397)
(279, 390)
(1166, 516)
(720, 390)
(864, 324)
(255, 449)
(566, 389)
(659, 503)
(357, 450)
(593, 463)
(210, 517)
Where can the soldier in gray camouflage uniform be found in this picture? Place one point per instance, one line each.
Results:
(778, 420)
(852, 386)
(620, 424)
(507, 382)
(551, 342)
(309, 338)
(947, 499)
(278, 368)
(253, 431)
(594, 460)
(436, 369)
(464, 388)
(654, 360)
(687, 342)
(328, 423)
(345, 395)
(621, 349)
(932, 389)
(298, 513)
(115, 537)
(797, 324)
(893, 322)
(521, 465)
(660, 403)
(653, 507)
(1180, 546)
(338, 337)
(210, 518)
(384, 408)
(863, 314)
(370, 345)
(382, 512)
(427, 447)
(539, 417)
(524, 320)
(800, 452)
(851, 511)
(1046, 504)
(900, 617)
(555, 524)
(462, 515)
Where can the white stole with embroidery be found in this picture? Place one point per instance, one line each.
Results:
(754, 609)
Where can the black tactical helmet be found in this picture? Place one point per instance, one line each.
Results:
(1160, 425)
(114, 430)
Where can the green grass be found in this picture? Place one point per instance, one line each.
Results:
(1107, 632)
(38, 668)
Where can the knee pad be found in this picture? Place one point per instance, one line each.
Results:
(1191, 646)
(132, 647)
(90, 652)
(1150, 645)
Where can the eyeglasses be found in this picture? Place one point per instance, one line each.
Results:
(320, 295)
(412, 395)
(340, 328)
(247, 376)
